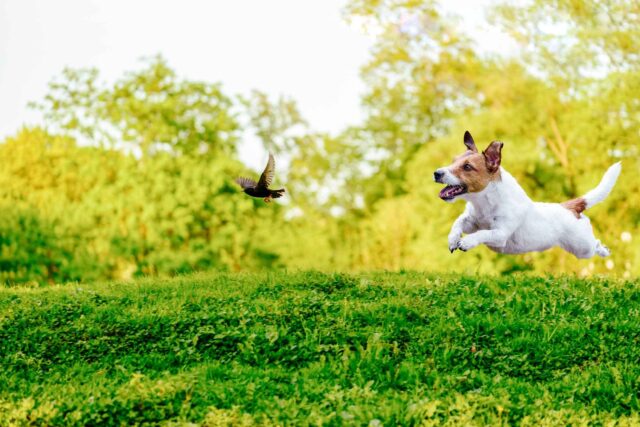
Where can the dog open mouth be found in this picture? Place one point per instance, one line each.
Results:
(451, 191)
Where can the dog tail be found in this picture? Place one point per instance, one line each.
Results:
(603, 189)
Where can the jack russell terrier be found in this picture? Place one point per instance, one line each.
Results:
(500, 215)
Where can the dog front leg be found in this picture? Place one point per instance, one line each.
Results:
(464, 224)
(494, 238)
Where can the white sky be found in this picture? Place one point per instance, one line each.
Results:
(299, 48)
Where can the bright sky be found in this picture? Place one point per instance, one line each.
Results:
(299, 48)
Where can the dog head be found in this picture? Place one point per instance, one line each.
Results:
(471, 171)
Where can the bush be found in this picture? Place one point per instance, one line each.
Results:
(31, 251)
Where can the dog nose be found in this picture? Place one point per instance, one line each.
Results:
(437, 175)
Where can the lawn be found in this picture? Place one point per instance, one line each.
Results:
(322, 349)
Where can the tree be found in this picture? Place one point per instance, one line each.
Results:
(147, 111)
(573, 41)
(421, 74)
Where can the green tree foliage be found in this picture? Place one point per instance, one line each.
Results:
(570, 40)
(135, 177)
(317, 167)
(148, 110)
(421, 74)
(168, 214)
(31, 251)
(562, 129)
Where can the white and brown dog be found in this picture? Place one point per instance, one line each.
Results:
(500, 215)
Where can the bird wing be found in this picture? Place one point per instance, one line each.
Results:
(269, 172)
(246, 182)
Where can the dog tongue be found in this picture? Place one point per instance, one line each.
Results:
(450, 191)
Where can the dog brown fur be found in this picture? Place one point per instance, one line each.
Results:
(477, 170)
(576, 206)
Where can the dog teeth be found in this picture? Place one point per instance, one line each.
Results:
(451, 190)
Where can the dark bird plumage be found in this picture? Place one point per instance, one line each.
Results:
(261, 188)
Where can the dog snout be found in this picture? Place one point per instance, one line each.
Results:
(437, 175)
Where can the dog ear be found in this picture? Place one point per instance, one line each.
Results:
(493, 155)
(469, 143)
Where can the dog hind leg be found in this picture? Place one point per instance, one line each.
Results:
(602, 250)
(581, 242)
(581, 252)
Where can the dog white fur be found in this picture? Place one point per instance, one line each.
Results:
(505, 219)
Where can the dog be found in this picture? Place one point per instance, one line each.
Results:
(500, 215)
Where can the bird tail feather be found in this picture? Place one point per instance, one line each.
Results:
(277, 193)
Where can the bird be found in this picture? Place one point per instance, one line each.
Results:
(261, 188)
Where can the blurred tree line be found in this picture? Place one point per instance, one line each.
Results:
(136, 177)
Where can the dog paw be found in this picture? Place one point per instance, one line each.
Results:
(465, 244)
(454, 240)
(602, 250)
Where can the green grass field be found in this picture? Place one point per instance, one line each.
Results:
(318, 349)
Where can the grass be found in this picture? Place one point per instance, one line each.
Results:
(330, 349)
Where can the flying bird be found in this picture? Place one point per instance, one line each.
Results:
(261, 188)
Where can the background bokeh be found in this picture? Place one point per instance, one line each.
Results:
(134, 175)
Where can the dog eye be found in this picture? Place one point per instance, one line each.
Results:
(467, 167)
